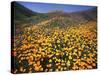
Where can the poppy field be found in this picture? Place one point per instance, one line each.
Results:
(58, 49)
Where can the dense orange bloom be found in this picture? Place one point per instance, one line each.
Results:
(56, 49)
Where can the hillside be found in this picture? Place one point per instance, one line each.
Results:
(23, 15)
(21, 12)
